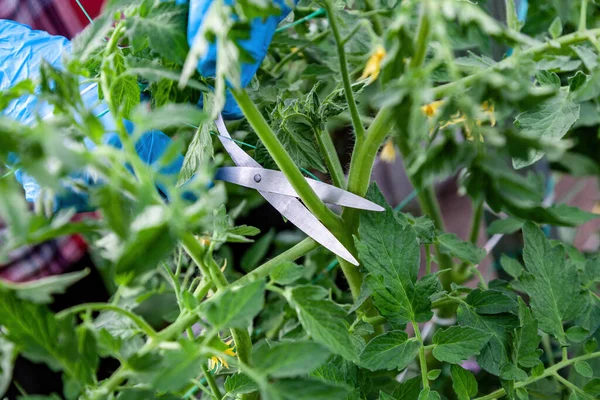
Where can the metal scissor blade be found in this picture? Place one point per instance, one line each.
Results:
(275, 182)
(299, 215)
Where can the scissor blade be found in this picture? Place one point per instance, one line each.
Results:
(272, 181)
(299, 215)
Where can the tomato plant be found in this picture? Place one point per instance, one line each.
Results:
(442, 84)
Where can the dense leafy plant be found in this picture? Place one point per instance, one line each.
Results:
(188, 314)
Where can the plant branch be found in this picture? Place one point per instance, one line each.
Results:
(583, 16)
(356, 121)
(550, 371)
(565, 41)
(331, 157)
(143, 325)
(422, 359)
(571, 386)
(211, 382)
(292, 254)
(285, 163)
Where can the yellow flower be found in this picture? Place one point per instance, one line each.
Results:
(215, 361)
(388, 152)
(373, 65)
(431, 109)
(489, 109)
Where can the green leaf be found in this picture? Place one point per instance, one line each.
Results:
(288, 359)
(577, 81)
(169, 370)
(124, 89)
(92, 40)
(304, 389)
(390, 252)
(463, 382)
(526, 339)
(589, 318)
(234, 307)
(240, 384)
(589, 58)
(457, 343)
(593, 387)
(170, 116)
(40, 291)
(494, 353)
(323, 319)
(7, 359)
(428, 394)
(257, 252)
(150, 241)
(511, 372)
(550, 120)
(286, 273)
(505, 226)
(577, 334)
(467, 251)
(408, 390)
(491, 301)
(511, 266)
(591, 345)
(551, 282)
(165, 30)
(392, 351)
(555, 29)
(433, 374)
(584, 369)
(199, 152)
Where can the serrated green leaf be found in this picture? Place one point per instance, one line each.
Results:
(304, 389)
(589, 58)
(495, 352)
(511, 266)
(287, 272)
(408, 390)
(391, 350)
(577, 334)
(552, 284)
(164, 29)
(323, 319)
(577, 81)
(457, 343)
(234, 307)
(240, 384)
(491, 301)
(584, 369)
(463, 382)
(41, 290)
(551, 120)
(511, 372)
(428, 394)
(526, 339)
(390, 252)
(451, 244)
(505, 226)
(124, 90)
(589, 318)
(288, 359)
(593, 387)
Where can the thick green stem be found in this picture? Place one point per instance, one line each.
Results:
(573, 387)
(422, 40)
(353, 276)
(356, 122)
(422, 359)
(550, 371)
(331, 158)
(285, 163)
(211, 382)
(583, 16)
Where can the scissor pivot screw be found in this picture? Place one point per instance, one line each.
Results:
(257, 178)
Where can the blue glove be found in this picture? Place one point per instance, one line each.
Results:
(22, 51)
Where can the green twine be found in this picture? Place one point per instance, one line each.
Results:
(310, 16)
(84, 11)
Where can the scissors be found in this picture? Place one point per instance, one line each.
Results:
(278, 191)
